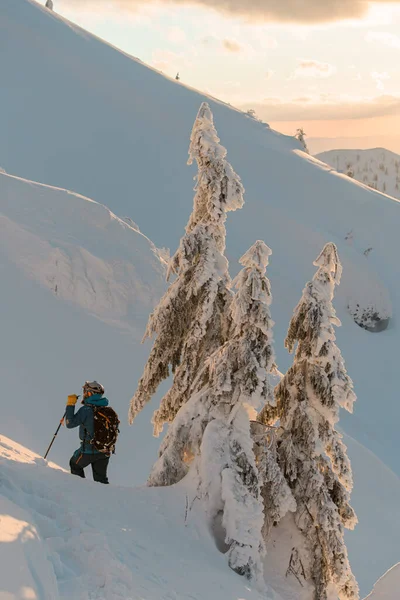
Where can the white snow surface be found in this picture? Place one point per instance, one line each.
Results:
(83, 116)
(80, 251)
(60, 540)
(377, 167)
(388, 586)
(110, 543)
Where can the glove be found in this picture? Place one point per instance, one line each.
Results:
(72, 400)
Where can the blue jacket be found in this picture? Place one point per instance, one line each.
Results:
(84, 419)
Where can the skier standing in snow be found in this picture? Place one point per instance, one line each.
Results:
(98, 431)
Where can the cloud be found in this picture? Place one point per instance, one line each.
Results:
(384, 37)
(325, 108)
(165, 60)
(227, 46)
(379, 78)
(267, 42)
(231, 45)
(176, 35)
(313, 68)
(289, 11)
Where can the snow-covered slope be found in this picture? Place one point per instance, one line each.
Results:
(113, 543)
(104, 125)
(53, 340)
(376, 498)
(377, 167)
(80, 251)
(388, 587)
(77, 284)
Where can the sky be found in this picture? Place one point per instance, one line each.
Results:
(331, 67)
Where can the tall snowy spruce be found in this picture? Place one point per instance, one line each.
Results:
(311, 452)
(253, 327)
(190, 321)
(213, 428)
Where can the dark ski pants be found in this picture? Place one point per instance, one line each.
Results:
(79, 461)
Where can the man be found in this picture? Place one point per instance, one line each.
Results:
(87, 454)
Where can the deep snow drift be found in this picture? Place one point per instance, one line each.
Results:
(104, 125)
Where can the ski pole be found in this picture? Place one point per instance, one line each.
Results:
(55, 435)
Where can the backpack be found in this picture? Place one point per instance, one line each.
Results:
(106, 431)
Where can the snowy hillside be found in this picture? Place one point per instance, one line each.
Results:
(121, 543)
(387, 588)
(80, 251)
(78, 283)
(378, 168)
(116, 544)
(53, 341)
(117, 131)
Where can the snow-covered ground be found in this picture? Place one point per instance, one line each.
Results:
(60, 541)
(61, 537)
(388, 587)
(78, 283)
(376, 167)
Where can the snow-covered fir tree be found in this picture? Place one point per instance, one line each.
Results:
(277, 496)
(252, 318)
(214, 426)
(190, 321)
(311, 452)
(301, 136)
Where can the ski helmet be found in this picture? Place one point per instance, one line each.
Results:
(93, 387)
